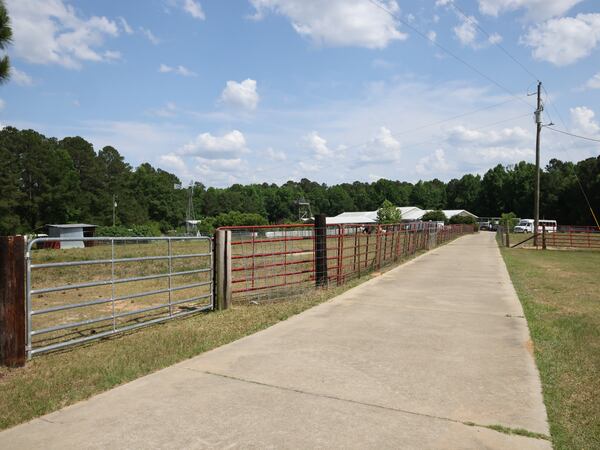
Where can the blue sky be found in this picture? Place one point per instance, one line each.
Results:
(243, 91)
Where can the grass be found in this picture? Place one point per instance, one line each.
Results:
(560, 294)
(55, 380)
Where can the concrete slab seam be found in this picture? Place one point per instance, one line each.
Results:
(495, 427)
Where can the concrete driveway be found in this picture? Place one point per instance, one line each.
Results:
(424, 356)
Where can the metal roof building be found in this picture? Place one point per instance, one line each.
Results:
(409, 214)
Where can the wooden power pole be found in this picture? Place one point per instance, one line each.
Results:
(536, 201)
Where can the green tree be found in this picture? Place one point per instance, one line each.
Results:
(5, 39)
(388, 213)
(437, 215)
(509, 220)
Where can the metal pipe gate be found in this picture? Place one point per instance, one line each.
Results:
(188, 260)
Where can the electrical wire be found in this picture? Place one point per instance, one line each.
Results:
(572, 134)
(460, 11)
(439, 122)
(574, 172)
(444, 49)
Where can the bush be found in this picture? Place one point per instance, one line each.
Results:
(462, 220)
(147, 230)
(434, 216)
(230, 219)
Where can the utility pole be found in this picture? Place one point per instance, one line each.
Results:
(536, 202)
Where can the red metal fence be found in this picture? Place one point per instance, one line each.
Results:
(566, 237)
(569, 236)
(277, 261)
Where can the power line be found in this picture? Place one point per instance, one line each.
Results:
(454, 55)
(573, 135)
(497, 44)
(574, 171)
(439, 122)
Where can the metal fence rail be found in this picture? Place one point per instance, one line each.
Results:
(277, 261)
(565, 237)
(112, 285)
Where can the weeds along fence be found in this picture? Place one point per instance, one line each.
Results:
(273, 262)
(565, 237)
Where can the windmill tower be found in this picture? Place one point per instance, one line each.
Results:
(304, 211)
(191, 224)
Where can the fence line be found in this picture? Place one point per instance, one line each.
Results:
(566, 236)
(276, 261)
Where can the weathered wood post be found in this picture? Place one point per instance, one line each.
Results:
(543, 237)
(507, 234)
(222, 270)
(12, 301)
(320, 250)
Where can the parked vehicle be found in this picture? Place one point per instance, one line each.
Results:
(526, 226)
(485, 225)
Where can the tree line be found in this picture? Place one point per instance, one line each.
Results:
(45, 180)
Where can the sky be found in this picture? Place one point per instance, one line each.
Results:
(253, 91)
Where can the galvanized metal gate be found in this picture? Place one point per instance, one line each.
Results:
(111, 285)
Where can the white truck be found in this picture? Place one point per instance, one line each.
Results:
(526, 226)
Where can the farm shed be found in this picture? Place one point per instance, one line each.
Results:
(409, 214)
(71, 231)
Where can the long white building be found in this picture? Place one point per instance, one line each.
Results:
(409, 214)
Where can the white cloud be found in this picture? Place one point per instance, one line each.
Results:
(382, 149)
(207, 146)
(2, 104)
(149, 35)
(594, 82)
(432, 35)
(338, 22)
(179, 70)
(461, 134)
(566, 40)
(51, 32)
(495, 38)
(583, 121)
(173, 161)
(466, 31)
(169, 110)
(194, 9)
(20, 77)
(242, 94)
(318, 145)
(112, 55)
(125, 26)
(275, 155)
(536, 9)
(433, 163)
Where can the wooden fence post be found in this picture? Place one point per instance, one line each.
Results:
(320, 250)
(12, 301)
(543, 237)
(222, 269)
(507, 234)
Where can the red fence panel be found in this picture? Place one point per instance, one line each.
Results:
(277, 261)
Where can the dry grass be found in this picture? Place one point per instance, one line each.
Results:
(560, 293)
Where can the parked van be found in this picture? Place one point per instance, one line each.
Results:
(526, 226)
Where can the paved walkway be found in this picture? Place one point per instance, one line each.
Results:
(410, 359)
